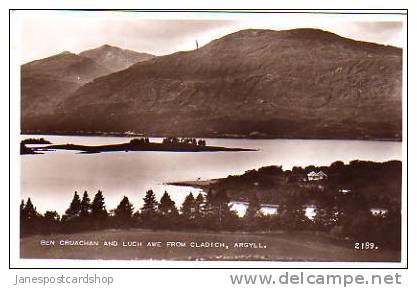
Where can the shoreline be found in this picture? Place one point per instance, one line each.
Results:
(245, 137)
(200, 184)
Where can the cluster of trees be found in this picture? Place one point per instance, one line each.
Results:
(35, 141)
(82, 214)
(139, 141)
(202, 212)
(187, 141)
(213, 212)
(343, 202)
(378, 184)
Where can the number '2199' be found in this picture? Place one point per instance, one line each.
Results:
(365, 246)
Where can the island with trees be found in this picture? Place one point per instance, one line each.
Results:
(169, 144)
(29, 150)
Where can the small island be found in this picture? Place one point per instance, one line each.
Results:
(169, 144)
(31, 150)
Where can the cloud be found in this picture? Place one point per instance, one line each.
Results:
(383, 32)
(45, 36)
(380, 27)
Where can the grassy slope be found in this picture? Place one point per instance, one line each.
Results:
(280, 246)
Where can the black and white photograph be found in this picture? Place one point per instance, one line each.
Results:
(210, 136)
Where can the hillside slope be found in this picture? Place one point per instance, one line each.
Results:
(301, 83)
(46, 82)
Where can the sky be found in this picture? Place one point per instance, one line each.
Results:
(41, 34)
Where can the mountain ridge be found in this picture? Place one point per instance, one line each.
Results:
(251, 83)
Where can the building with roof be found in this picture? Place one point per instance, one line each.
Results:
(316, 176)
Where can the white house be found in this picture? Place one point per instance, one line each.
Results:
(344, 190)
(316, 176)
(378, 211)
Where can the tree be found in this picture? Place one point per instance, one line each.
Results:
(125, 209)
(85, 205)
(326, 217)
(208, 203)
(187, 211)
(98, 210)
(52, 216)
(351, 207)
(98, 207)
(150, 204)
(75, 207)
(123, 213)
(199, 206)
(167, 206)
(51, 222)
(362, 227)
(291, 214)
(253, 213)
(222, 216)
(217, 213)
(29, 218)
(208, 210)
(149, 214)
(199, 202)
(337, 166)
(71, 218)
(271, 170)
(30, 210)
(167, 212)
(390, 227)
(187, 207)
(253, 209)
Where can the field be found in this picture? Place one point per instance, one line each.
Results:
(173, 245)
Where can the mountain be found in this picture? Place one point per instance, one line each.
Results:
(301, 83)
(114, 58)
(45, 83)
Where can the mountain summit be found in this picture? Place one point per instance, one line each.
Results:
(115, 58)
(46, 83)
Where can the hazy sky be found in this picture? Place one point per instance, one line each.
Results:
(43, 34)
